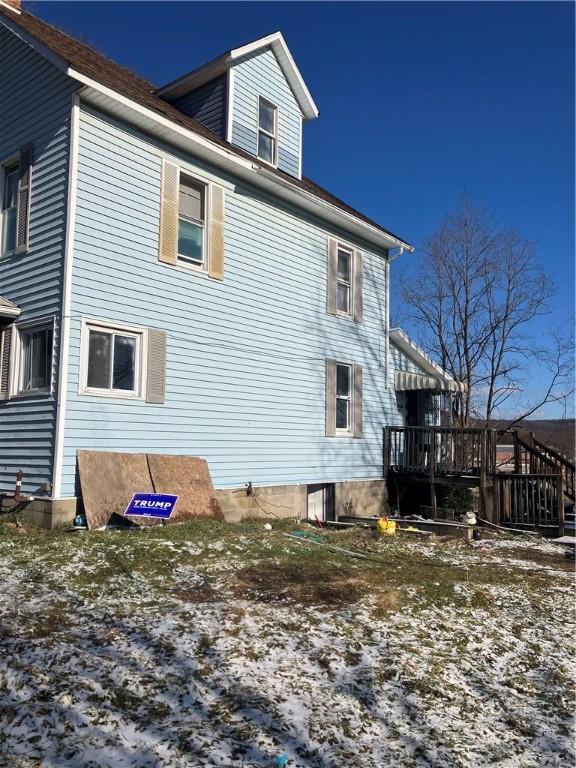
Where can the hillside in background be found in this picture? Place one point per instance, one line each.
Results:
(557, 433)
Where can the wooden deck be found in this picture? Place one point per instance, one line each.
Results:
(532, 497)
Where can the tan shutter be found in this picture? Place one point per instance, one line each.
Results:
(357, 287)
(24, 187)
(331, 281)
(156, 367)
(357, 401)
(216, 233)
(330, 396)
(168, 251)
(5, 347)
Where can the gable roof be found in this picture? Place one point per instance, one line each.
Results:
(222, 63)
(109, 85)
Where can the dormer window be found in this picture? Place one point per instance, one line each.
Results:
(267, 131)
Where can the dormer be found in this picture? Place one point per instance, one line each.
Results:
(253, 97)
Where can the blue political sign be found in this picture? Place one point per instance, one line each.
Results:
(159, 505)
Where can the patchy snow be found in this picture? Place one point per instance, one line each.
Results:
(140, 676)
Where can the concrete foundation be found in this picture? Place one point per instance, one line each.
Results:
(45, 513)
(355, 498)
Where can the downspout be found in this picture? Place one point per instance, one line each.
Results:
(389, 260)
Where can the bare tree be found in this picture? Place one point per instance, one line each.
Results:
(474, 298)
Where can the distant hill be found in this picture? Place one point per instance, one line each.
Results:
(557, 433)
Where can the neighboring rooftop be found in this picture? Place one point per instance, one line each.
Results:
(68, 52)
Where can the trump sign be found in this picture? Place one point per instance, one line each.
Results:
(159, 505)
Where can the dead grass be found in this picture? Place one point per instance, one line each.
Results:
(302, 582)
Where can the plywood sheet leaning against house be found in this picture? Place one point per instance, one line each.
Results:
(189, 478)
(109, 480)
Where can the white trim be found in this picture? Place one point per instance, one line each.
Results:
(387, 323)
(300, 150)
(250, 170)
(351, 251)
(273, 136)
(4, 164)
(9, 311)
(230, 105)
(349, 430)
(64, 345)
(140, 333)
(186, 260)
(15, 390)
(10, 7)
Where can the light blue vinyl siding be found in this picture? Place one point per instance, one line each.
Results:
(261, 75)
(246, 355)
(207, 104)
(36, 103)
(401, 362)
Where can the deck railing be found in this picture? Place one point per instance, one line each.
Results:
(440, 450)
(529, 501)
(563, 465)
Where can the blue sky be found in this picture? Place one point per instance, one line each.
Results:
(418, 102)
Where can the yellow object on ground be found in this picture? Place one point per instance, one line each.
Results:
(386, 527)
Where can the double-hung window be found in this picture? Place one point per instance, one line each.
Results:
(343, 398)
(191, 221)
(112, 363)
(267, 131)
(9, 211)
(344, 281)
(35, 374)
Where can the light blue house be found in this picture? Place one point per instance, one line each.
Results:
(172, 283)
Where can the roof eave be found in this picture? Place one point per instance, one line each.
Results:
(249, 170)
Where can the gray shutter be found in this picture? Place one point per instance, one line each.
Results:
(330, 395)
(5, 347)
(24, 187)
(357, 402)
(156, 367)
(357, 287)
(331, 279)
(216, 233)
(168, 250)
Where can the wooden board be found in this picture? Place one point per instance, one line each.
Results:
(189, 478)
(108, 482)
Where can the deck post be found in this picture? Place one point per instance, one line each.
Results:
(560, 497)
(432, 470)
(517, 457)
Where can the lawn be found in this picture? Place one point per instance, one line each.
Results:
(208, 644)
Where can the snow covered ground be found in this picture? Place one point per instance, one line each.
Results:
(212, 645)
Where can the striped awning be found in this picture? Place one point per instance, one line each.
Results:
(404, 380)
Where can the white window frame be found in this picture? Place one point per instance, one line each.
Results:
(350, 284)
(186, 261)
(141, 335)
(273, 136)
(4, 165)
(348, 431)
(16, 373)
